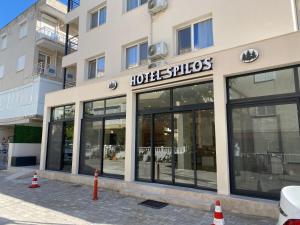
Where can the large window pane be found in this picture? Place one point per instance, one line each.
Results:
(114, 147)
(265, 148)
(95, 108)
(131, 4)
(91, 143)
(115, 105)
(184, 40)
(262, 84)
(154, 100)
(58, 113)
(162, 137)
(193, 94)
(132, 57)
(144, 147)
(68, 146)
(206, 149)
(102, 16)
(92, 69)
(54, 149)
(143, 53)
(183, 148)
(203, 34)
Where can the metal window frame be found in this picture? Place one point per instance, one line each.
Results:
(278, 99)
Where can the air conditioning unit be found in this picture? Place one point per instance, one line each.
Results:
(155, 6)
(157, 51)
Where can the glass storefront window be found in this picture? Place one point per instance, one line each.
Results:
(154, 100)
(193, 94)
(262, 84)
(144, 147)
(176, 145)
(58, 113)
(115, 105)
(95, 108)
(91, 143)
(265, 148)
(114, 147)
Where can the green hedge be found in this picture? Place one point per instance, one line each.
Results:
(27, 134)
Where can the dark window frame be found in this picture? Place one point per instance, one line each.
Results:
(103, 118)
(269, 100)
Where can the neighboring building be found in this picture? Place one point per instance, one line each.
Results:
(31, 50)
(197, 93)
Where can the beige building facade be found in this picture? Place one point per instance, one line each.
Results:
(31, 51)
(199, 94)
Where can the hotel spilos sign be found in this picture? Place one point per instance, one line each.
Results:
(172, 72)
(249, 55)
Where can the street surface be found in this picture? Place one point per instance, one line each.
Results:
(57, 203)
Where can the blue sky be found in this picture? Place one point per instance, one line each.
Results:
(10, 9)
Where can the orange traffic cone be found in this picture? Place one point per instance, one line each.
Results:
(34, 182)
(218, 215)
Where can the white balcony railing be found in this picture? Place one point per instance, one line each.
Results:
(51, 34)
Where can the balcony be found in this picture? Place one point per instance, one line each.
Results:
(50, 39)
(70, 76)
(48, 71)
(73, 4)
(72, 45)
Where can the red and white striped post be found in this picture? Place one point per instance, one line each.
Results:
(95, 192)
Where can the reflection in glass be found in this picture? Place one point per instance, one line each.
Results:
(58, 113)
(54, 146)
(144, 147)
(154, 100)
(262, 84)
(115, 105)
(95, 108)
(193, 94)
(265, 148)
(69, 111)
(206, 149)
(68, 146)
(91, 143)
(162, 137)
(114, 147)
(183, 148)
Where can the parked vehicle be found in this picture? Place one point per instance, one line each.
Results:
(289, 206)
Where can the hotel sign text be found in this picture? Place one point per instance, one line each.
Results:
(172, 72)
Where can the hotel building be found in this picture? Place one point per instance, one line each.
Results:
(197, 94)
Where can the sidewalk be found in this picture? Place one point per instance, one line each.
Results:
(57, 203)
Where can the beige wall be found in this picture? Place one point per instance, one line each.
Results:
(235, 23)
(17, 47)
(274, 52)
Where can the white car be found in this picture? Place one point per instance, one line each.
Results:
(289, 206)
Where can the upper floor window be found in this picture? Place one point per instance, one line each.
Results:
(21, 63)
(98, 17)
(96, 68)
(4, 41)
(132, 4)
(23, 29)
(195, 36)
(298, 12)
(1, 71)
(136, 55)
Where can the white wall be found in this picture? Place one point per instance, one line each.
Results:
(19, 150)
(27, 100)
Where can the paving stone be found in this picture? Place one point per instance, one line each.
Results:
(58, 203)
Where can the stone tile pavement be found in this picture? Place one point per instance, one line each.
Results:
(57, 203)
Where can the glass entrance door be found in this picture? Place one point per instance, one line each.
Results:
(67, 146)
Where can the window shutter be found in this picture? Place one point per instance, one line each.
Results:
(21, 63)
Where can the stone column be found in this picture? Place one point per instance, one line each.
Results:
(76, 138)
(130, 137)
(46, 120)
(223, 180)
